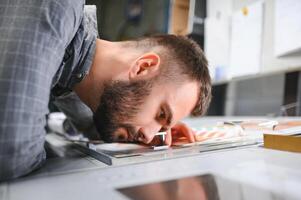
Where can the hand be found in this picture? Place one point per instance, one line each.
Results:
(177, 131)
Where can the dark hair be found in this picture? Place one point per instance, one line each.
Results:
(187, 55)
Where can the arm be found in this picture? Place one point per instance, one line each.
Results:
(32, 43)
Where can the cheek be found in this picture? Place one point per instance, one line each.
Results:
(143, 118)
(149, 109)
(145, 115)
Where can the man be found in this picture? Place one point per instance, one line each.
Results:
(131, 89)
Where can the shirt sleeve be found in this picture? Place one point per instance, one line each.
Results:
(33, 38)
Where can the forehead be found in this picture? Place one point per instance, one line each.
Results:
(183, 99)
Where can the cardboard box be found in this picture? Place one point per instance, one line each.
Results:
(180, 15)
(282, 142)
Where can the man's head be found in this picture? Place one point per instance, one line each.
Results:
(167, 80)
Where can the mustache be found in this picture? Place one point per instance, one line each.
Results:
(131, 131)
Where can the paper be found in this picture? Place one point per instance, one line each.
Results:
(287, 26)
(217, 46)
(246, 43)
(218, 135)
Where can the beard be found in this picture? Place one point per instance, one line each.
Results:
(119, 104)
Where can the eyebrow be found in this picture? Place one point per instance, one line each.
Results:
(169, 114)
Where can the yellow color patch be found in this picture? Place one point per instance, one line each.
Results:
(245, 11)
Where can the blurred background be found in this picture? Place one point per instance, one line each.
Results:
(253, 46)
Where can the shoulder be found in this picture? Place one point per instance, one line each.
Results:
(65, 16)
(90, 19)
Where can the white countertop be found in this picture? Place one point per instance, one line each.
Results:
(81, 177)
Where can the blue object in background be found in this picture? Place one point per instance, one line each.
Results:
(134, 10)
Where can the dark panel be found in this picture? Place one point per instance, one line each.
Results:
(200, 8)
(198, 25)
(291, 93)
(259, 96)
(217, 106)
(117, 19)
(299, 95)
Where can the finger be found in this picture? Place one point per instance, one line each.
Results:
(168, 138)
(189, 134)
(185, 131)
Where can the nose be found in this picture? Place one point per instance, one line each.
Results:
(147, 134)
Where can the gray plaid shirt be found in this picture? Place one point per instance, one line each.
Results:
(46, 46)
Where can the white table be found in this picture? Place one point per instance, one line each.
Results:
(76, 176)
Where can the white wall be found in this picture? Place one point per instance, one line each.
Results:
(270, 63)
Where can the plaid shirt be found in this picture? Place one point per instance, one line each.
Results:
(45, 45)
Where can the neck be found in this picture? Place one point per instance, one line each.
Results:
(106, 66)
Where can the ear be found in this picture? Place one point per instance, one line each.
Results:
(144, 67)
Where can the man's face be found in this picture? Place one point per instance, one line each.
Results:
(130, 112)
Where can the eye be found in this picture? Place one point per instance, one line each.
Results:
(162, 114)
(120, 138)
